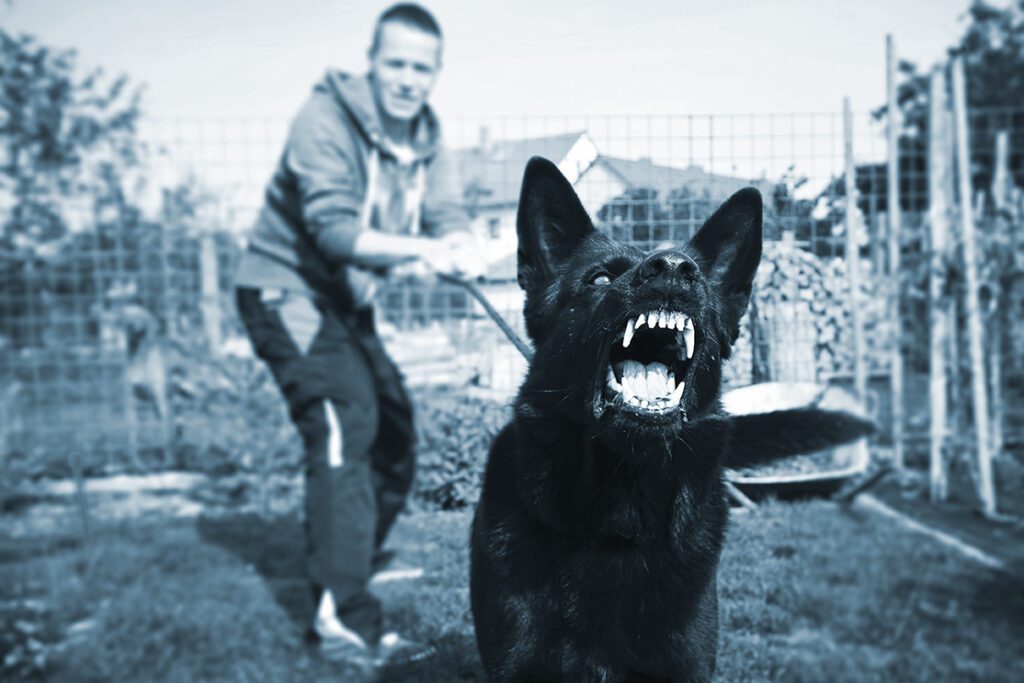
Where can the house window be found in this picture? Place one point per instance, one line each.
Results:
(494, 227)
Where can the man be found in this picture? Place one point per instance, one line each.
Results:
(362, 187)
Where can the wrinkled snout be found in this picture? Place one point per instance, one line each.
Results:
(668, 272)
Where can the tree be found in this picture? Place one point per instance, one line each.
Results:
(992, 47)
(65, 143)
(73, 236)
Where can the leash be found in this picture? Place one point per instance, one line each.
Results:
(494, 315)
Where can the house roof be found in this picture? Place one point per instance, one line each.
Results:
(495, 170)
(640, 173)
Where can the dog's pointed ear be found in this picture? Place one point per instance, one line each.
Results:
(551, 223)
(728, 250)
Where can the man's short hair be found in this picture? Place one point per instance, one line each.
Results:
(410, 14)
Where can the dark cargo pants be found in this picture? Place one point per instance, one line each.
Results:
(347, 400)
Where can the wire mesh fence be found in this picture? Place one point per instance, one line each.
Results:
(118, 337)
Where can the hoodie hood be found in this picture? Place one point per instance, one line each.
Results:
(354, 94)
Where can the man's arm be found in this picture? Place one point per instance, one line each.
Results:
(320, 156)
(375, 249)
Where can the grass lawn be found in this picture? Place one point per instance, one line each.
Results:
(809, 592)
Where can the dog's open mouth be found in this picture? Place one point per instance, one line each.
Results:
(648, 366)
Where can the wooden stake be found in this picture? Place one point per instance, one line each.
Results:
(986, 490)
(1000, 177)
(210, 291)
(894, 216)
(739, 496)
(853, 256)
(938, 225)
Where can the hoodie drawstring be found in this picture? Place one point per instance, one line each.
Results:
(414, 197)
(371, 186)
(412, 200)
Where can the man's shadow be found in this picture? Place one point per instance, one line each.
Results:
(275, 548)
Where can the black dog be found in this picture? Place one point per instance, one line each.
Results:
(596, 541)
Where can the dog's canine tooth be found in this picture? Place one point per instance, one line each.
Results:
(628, 335)
(677, 393)
(688, 334)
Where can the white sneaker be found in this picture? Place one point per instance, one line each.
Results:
(337, 641)
(394, 649)
(340, 643)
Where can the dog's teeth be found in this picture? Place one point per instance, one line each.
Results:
(628, 336)
(612, 382)
(640, 321)
(680, 320)
(672, 319)
(652, 320)
(632, 379)
(688, 335)
(677, 393)
(662, 319)
(657, 379)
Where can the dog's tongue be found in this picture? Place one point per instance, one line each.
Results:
(650, 382)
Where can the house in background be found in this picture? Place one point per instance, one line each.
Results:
(491, 175)
(611, 177)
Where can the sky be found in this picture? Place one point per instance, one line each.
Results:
(223, 77)
(258, 58)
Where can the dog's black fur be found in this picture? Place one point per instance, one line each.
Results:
(596, 541)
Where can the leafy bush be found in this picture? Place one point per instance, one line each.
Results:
(454, 433)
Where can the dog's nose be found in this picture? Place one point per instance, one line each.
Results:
(668, 264)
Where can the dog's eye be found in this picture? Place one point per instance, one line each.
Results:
(602, 279)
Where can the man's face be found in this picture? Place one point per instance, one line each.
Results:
(404, 69)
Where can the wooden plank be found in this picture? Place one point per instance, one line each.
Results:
(969, 551)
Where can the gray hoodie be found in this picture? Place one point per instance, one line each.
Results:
(338, 176)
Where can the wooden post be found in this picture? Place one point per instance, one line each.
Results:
(853, 256)
(938, 224)
(1000, 178)
(209, 291)
(894, 216)
(979, 388)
